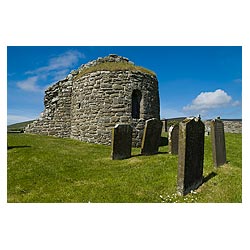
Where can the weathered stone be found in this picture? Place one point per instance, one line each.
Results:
(218, 142)
(100, 99)
(121, 142)
(151, 137)
(164, 125)
(106, 85)
(117, 87)
(173, 139)
(191, 155)
(207, 130)
(230, 125)
(124, 119)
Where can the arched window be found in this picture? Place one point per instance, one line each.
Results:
(136, 103)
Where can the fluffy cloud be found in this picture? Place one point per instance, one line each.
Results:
(210, 100)
(29, 84)
(61, 62)
(57, 68)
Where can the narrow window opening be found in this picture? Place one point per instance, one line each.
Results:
(136, 103)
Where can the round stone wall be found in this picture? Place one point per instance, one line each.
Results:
(90, 101)
(102, 99)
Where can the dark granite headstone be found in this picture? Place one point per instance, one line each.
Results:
(218, 142)
(151, 137)
(173, 139)
(191, 155)
(121, 142)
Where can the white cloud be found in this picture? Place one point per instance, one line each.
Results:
(62, 62)
(57, 68)
(210, 100)
(236, 103)
(29, 84)
(60, 74)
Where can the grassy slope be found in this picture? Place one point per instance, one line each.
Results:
(49, 169)
(18, 126)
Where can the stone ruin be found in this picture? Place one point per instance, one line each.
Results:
(91, 100)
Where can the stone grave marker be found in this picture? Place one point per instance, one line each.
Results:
(164, 125)
(151, 137)
(121, 142)
(191, 155)
(207, 130)
(173, 139)
(218, 142)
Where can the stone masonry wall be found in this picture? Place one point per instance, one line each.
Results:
(88, 107)
(56, 117)
(229, 126)
(102, 99)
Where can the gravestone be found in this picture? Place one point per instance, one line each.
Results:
(218, 142)
(151, 137)
(207, 130)
(164, 126)
(121, 142)
(173, 139)
(191, 155)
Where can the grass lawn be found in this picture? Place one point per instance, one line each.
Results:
(50, 169)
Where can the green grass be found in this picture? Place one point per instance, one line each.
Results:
(114, 66)
(50, 169)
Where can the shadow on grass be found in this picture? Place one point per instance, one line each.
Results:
(159, 153)
(11, 147)
(208, 177)
(163, 141)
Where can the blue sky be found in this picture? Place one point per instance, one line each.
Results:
(205, 80)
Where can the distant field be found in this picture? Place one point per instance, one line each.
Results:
(18, 126)
(50, 169)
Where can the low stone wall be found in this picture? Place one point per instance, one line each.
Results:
(233, 127)
(229, 126)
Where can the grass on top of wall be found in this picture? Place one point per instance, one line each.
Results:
(50, 169)
(114, 66)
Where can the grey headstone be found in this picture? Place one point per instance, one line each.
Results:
(191, 155)
(218, 142)
(173, 139)
(164, 126)
(121, 142)
(151, 137)
(207, 130)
